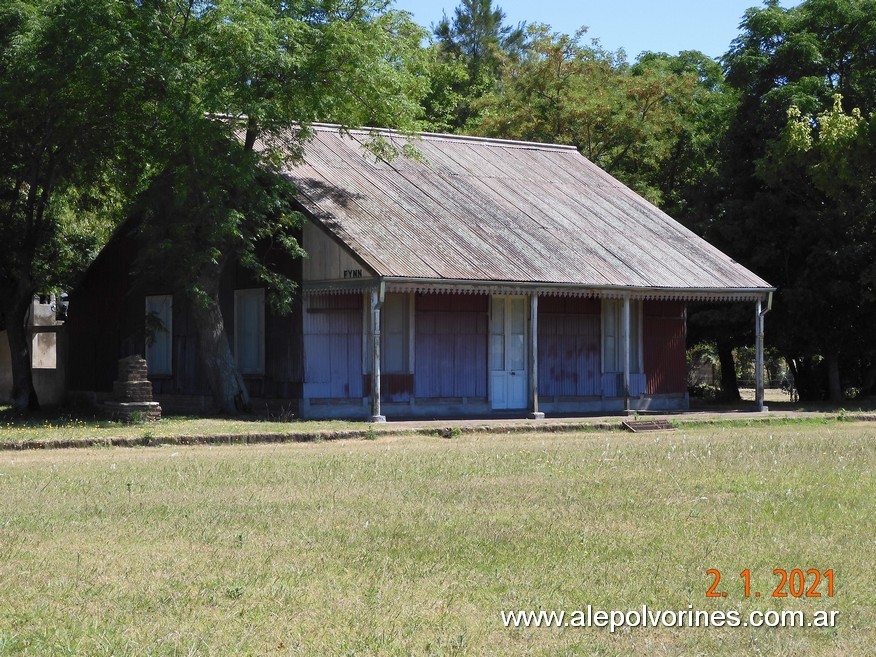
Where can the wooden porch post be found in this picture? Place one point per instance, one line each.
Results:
(533, 357)
(758, 356)
(627, 353)
(376, 303)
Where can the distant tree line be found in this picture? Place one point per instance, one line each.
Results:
(113, 110)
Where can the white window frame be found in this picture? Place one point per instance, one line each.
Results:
(259, 294)
(408, 356)
(162, 369)
(637, 356)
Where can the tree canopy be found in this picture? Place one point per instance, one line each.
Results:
(782, 209)
(629, 119)
(467, 61)
(259, 71)
(108, 100)
(66, 86)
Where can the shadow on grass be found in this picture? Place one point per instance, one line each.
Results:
(63, 414)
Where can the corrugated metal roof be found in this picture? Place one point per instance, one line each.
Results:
(493, 210)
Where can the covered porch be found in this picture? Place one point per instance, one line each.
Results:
(468, 349)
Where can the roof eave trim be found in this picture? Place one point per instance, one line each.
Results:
(593, 290)
(463, 286)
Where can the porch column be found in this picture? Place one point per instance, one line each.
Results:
(758, 356)
(533, 357)
(627, 353)
(376, 303)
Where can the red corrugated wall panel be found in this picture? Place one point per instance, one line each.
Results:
(664, 344)
(569, 347)
(451, 345)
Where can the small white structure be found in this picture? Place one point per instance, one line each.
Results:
(47, 341)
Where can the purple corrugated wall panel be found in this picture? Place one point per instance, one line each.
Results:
(569, 347)
(333, 346)
(451, 346)
(665, 363)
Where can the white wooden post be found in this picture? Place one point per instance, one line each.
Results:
(627, 353)
(376, 303)
(758, 356)
(533, 357)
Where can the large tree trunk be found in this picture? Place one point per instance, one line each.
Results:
(729, 383)
(24, 397)
(834, 387)
(227, 386)
(810, 385)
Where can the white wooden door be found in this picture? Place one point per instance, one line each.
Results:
(508, 380)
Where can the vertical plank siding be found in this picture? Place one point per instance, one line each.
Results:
(664, 343)
(186, 377)
(451, 345)
(569, 347)
(283, 357)
(333, 346)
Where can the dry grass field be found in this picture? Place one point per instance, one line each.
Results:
(414, 545)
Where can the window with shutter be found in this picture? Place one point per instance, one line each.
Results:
(159, 334)
(396, 334)
(249, 330)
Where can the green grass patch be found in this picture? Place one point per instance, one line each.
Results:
(413, 545)
(71, 427)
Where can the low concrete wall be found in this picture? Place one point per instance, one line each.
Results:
(360, 409)
(422, 408)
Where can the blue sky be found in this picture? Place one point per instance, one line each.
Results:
(634, 25)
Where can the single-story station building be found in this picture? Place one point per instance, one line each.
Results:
(485, 277)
